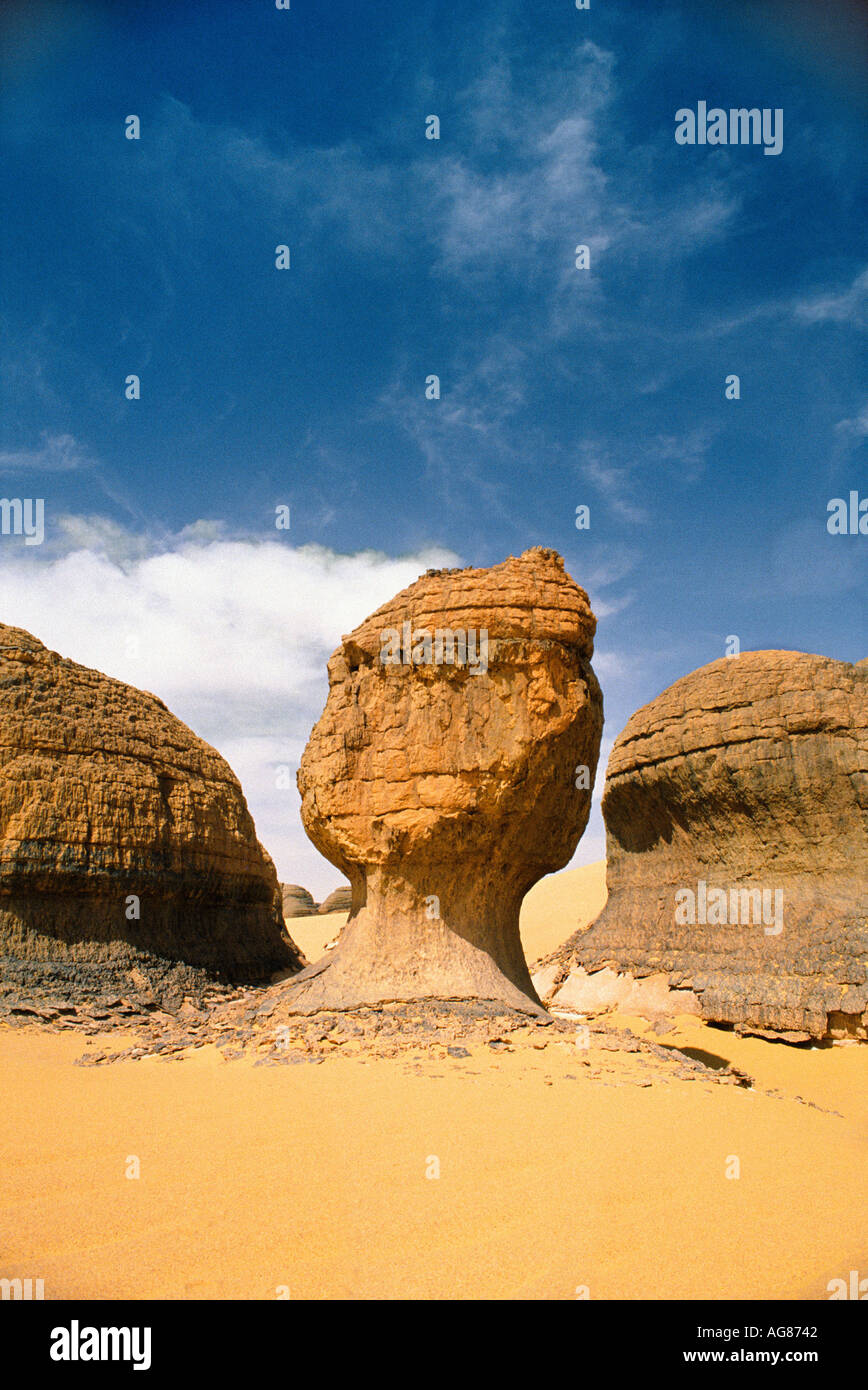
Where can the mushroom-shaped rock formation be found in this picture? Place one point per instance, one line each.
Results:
(736, 809)
(443, 779)
(123, 836)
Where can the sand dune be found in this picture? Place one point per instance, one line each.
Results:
(312, 934)
(558, 905)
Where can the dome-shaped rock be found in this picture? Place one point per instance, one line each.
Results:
(297, 901)
(123, 836)
(341, 900)
(736, 809)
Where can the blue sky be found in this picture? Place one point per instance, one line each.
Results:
(410, 257)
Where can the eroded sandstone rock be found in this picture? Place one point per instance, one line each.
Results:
(749, 774)
(124, 838)
(444, 791)
(341, 900)
(297, 901)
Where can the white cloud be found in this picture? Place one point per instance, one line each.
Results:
(612, 481)
(562, 176)
(847, 306)
(470, 427)
(857, 428)
(486, 220)
(58, 453)
(621, 473)
(612, 665)
(233, 635)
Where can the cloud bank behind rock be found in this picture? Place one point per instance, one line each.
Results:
(233, 635)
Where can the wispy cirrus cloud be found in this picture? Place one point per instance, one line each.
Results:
(613, 481)
(523, 209)
(476, 422)
(626, 473)
(57, 453)
(562, 174)
(855, 428)
(849, 305)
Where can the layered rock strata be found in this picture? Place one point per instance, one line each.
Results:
(124, 838)
(297, 901)
(341, 900)
(736, 809)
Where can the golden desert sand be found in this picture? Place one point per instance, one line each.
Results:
(561, 1170)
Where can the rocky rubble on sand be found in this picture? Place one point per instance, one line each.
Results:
(254, 1023)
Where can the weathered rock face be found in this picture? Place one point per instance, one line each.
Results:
(106, 797)
(444, 790)
(341, 900)
(751, 773)
(297, 901)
